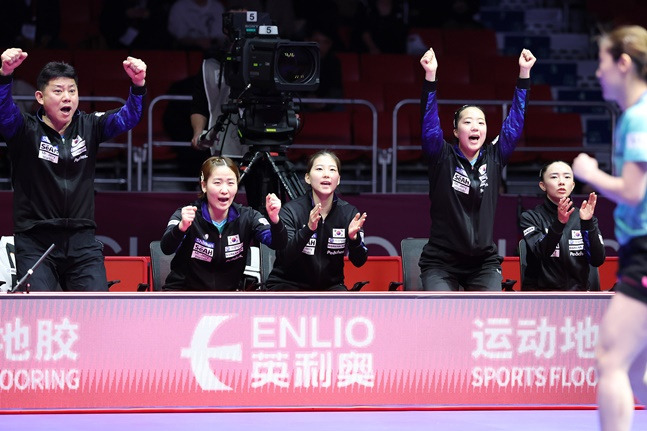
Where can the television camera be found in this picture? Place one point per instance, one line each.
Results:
(263, 72)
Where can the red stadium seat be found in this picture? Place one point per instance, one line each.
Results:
(349, 66)
(102, 71)
(373, 92)
(408, 118)
(79, 23)
(470, 42)
(544, 129)
(454, 70)
(194, 61)
(159, 78)
(495, 69)
(469, 92)
(322, 130)
(383, 68)
(379, 271)
(131, 271)
(431, 37)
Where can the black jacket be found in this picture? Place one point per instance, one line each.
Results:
(559, 256)
(206, 259)
(53, 176)
(464, 197)
(315, 260)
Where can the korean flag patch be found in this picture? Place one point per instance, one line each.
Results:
(234, 239)
(339, 233)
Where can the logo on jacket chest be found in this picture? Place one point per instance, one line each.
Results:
(79, 149)
(309, 249)
(47, 151)
(461, 181)
(202, 250)
(336, 244)
(234, 249)
(483, 177)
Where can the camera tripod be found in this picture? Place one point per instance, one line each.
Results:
(264, 172)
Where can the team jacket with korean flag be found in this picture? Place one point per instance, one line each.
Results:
(206, 259)
(559, 255)
(53, 175)
(315, 260)
(464, 197)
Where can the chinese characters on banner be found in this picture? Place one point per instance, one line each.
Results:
(264, 350)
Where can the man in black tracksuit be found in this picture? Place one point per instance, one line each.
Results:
(53, 157)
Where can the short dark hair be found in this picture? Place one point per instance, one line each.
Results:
(53, 70)
(457, 114)
(544, 168)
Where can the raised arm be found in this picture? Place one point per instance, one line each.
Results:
(130, 114)
(10, 116)
(512, 128)
(432, 134)
(176, 228)
(276, 236)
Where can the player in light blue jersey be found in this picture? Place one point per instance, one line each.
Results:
(621, 350)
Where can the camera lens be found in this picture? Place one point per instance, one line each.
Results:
(295, 64)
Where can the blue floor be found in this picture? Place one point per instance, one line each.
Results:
(506, 420)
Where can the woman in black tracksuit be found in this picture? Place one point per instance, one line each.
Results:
(211, 236)
(321, 227)
(464, 181)
(562, 241)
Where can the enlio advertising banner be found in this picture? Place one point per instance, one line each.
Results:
(167, 350)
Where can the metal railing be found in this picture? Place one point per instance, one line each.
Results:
(383, 157)
(610, 108)
(151, 142)
(128, 145)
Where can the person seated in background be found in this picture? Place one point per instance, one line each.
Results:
(211, 236)
(330, 76)
(380, 27)
(31, 24)
(562, 241)
(135, 24)
(321, 227)
(209, 93)
(196, 24)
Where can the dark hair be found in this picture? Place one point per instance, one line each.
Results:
(458, 112)
(311, 160)
(53, 70)
(209, 165)
(543, 169)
